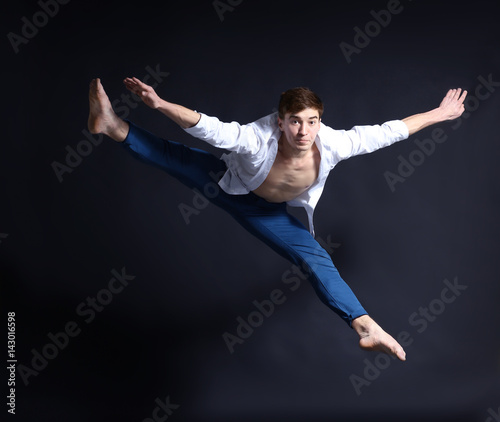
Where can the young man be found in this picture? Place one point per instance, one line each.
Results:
(281, 159)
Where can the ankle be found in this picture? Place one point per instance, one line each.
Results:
(362, 324)
(119, 132)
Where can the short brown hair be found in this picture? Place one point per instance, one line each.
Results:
(297, 99)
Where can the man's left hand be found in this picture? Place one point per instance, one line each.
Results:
(452, 105)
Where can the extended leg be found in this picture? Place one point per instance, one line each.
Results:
(287, 236)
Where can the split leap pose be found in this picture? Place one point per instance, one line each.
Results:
(280, 159)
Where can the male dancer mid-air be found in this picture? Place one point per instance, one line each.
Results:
(280, 159)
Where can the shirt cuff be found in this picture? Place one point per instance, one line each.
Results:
(199, 129)
(400, 127)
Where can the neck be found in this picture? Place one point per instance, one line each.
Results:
(288, 152)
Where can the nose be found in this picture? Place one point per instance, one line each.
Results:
(303, 129)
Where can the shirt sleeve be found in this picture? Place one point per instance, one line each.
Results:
(365, 139)
(230, 136)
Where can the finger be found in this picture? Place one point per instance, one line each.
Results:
(137, 83)
(456, 95)
(142, 85)
(129, 82)
(132, 85)
(450, 94)
(462, 97)
(132, 88)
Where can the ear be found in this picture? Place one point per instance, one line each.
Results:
(280, 123)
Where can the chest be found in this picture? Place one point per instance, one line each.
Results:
(295, 174)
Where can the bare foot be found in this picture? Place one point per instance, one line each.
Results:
(102, 118)
(373, 337)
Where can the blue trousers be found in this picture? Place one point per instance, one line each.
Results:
(268, 221)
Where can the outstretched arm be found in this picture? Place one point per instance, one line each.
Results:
(181, 115)
(230, 136)
(450, 108)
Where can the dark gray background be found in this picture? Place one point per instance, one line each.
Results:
(162, 336)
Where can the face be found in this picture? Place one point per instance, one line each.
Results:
(300, 129)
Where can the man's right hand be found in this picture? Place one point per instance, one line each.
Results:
(183, 116)
(145, 92)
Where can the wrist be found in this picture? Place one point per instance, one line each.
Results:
(435, 116)
(420, 121)
(160, 104)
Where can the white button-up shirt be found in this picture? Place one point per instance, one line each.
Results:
(254, 147)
